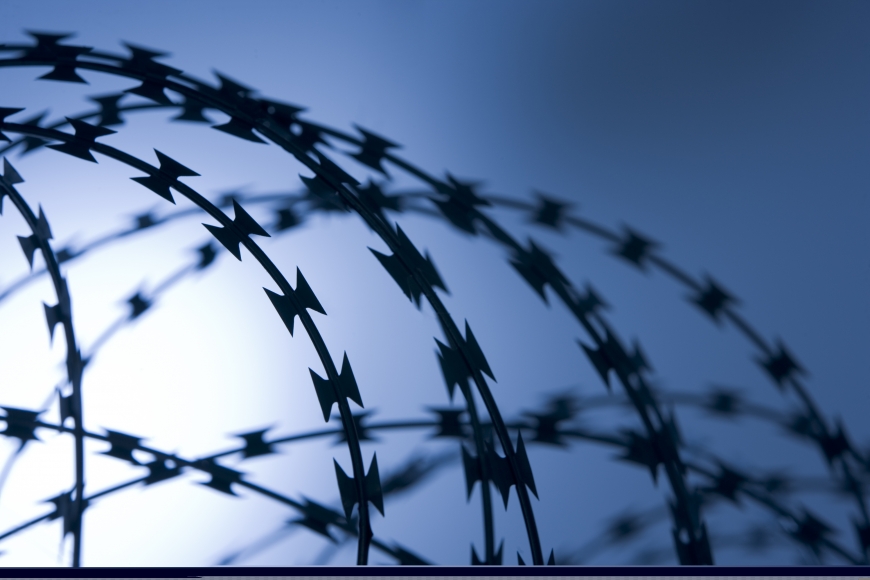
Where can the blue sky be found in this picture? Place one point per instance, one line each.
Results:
(735, 134)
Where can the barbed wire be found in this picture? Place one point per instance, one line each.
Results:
(545, 427)
(61, 313)
(332, 189)
(270, 119)
(292, 303)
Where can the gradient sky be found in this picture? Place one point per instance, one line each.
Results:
(734, 133)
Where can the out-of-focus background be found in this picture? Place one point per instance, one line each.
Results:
(734, 133)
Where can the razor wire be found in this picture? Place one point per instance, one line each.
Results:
(724, 482)
(137, 309)
(415, 274)
(723, 398)
(721, 401)
(459, 205)
(59, 313)
(289, 305)
(724, 402)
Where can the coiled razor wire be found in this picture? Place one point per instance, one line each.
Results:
(461, 359)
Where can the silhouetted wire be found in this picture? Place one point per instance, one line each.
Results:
(236, 230)
(234, 100)
(61, 313)
(412, 473)
(529, 263)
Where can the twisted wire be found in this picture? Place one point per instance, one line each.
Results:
(609, 354)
